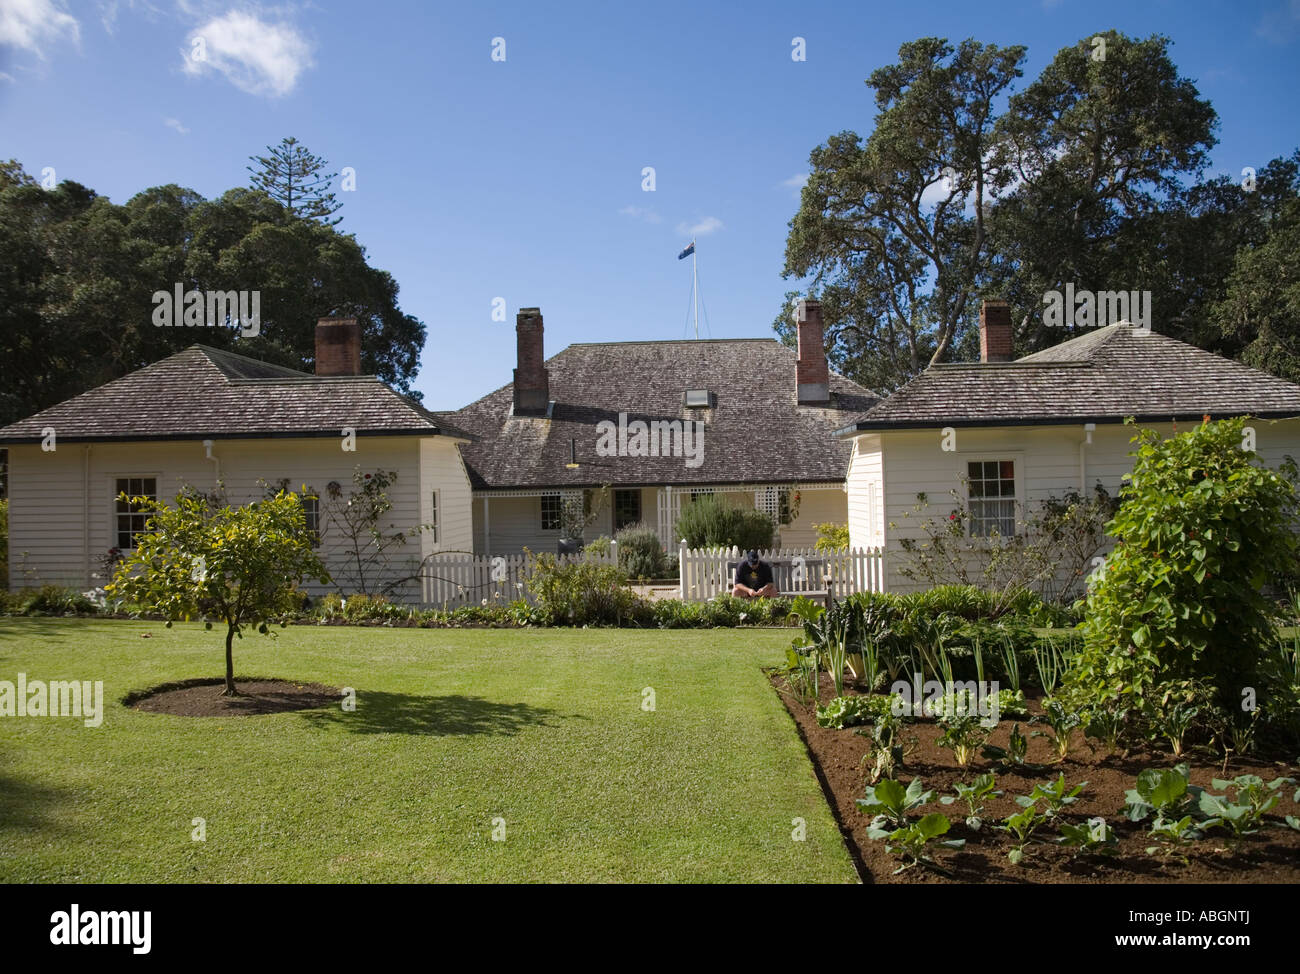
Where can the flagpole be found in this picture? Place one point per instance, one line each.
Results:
(695, 286)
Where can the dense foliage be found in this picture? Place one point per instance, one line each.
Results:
(1202, 528)
(712, 522)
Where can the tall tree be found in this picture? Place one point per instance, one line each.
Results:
(1260, 310)
(1100, 143)
(887, 228)
(78, 274)
(296, 179)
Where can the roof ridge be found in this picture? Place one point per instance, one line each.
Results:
(207, 349)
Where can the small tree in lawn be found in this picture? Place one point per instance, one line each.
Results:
(238, 565)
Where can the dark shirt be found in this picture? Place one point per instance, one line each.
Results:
(754, 577)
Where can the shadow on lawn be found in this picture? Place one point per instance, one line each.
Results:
(400, 713)
(25, 805)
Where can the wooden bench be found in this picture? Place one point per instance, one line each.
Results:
(783, 578)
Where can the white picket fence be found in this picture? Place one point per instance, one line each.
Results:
(709, 572)
(458, 578)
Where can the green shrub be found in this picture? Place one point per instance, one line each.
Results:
(640, 555)
(583, 593)
(1200, 530)
(831, 536)
(710, 522)
(53, 600)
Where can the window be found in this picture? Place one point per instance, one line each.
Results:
(627, 508)
(550, 512)
(698, 398)
(992, 493)
(311, 517)
(4, 474)
(433, 516)
(783, 507)
(130, 519)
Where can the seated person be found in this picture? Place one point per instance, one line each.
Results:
(754, 579)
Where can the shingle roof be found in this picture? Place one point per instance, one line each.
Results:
(210, 393)
(755, 433)
(1103, 376)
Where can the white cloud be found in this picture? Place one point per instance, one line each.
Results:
(1280, 25)
(173, 123)
(29, 24)
(701, 228)
(641, 213)
(256, 57)
(798, 181)
(8, 77)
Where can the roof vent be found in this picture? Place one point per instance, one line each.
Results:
(698, 398)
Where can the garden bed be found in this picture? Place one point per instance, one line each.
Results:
(1271, 855)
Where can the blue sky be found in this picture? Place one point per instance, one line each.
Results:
(522, 179)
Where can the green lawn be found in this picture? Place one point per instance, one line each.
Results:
(453, 729)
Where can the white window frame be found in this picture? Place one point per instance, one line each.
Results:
(1016, 457)
(434, 503)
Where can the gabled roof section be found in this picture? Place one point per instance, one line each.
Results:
(1103, 376)
(755, 432)
(210, 393)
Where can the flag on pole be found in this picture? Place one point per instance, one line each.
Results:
(687, 252)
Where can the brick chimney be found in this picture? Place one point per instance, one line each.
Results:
(995, 331)
(532, 381)
(338, 346)
(812, 377)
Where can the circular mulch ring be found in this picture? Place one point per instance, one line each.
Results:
(203, 698)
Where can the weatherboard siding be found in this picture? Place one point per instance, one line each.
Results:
(1047, 465)
(58, 537)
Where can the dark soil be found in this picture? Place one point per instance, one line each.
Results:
(203, 698)
(1271, 855)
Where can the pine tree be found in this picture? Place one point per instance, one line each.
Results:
(292, 176)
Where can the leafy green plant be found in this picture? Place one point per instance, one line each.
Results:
(831, 536)
(712, 522)
(1167, 792)
(826, 635)
(581, 593)
(1062, 721)
(1055, 796)
(974, 795)
(1004, 701)
(891, 802)
(1201, 529)
(1105, 723)
(964, 731)
(640, 553)
(1021, 826)
(1173, 706)
(911, 841)
(853, 711)
(1014, 754)
(1094, 837)
(887, 748)
(1253, 798)
(1172, 836)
